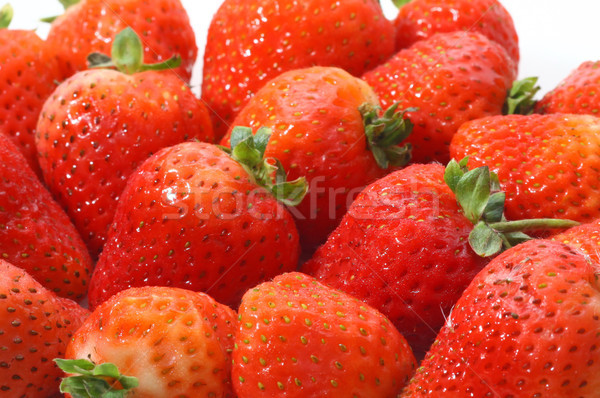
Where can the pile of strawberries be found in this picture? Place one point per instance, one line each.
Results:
(355, 207)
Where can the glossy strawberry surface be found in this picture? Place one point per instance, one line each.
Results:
(251, 42)
(577, 93)
(403, 249)
(528, 325)
(449, 78)
(299, 338)
(549, 166)
(420, 19)
(318, 132)
(35, 328)
(28, 75)
(99, 126)
(35, 232)
(174, 341)
(192, 217)
(91, 25)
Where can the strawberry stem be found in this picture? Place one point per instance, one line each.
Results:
(127, 55)
(479, 194)
(249, 150)
(89, 380)
(520, 97)
(532, 224)
(385, 132)
(6, 16)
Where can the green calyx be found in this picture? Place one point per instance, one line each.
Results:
(6, 16)
(385, 132)
(478, 193)
(520, 99)
(89, 380)
(68, 3)
(400, 3)
(127, 55)
(249, 151)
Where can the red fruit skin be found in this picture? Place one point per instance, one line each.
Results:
(549, 166)
(577, 93)
(35, 327)
(584, 238)
(317, 133)
(451, 78)
(35, 232)
(28, 76)
(403, 249)
(251, 42)
(191, 217)
(421, 19)
(528, 325)
(99, 126)
(300, 338)
(175, 341)
(91, 25)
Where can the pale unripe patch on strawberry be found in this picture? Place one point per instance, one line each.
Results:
(173, 341)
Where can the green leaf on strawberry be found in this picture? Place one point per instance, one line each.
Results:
(520, 97)
(249, 150)
(68, 3)
(90, 380)
(127, 55)
(478, 193)
(385, 132)
(6, 16)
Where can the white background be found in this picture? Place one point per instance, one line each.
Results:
(555, 35)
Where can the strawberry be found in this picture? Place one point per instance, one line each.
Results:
(421, 19)
(325, 128)
(192, 216)
(170, 343)
(527, 326)
(585, 238)
(99, 125)
(450, 78)
(35, 327)
(412, 241)
(548, 165)
(577, 93)
(92, 25)
(28, 77)
(35, 232)
(251, 42)
(300, 338)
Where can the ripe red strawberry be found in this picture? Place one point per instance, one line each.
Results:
(450, 78)
(420, 19)
(100, 125)
(549, 166)
(91, 25)
(585, 238)
(300, 338)
(35, 232)
(527, 326)
(325, 129)
(174, 342)
(412, 241)
(251, 42)
(28, 76)
(577, 93)
(35, 328)
(191, 216)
